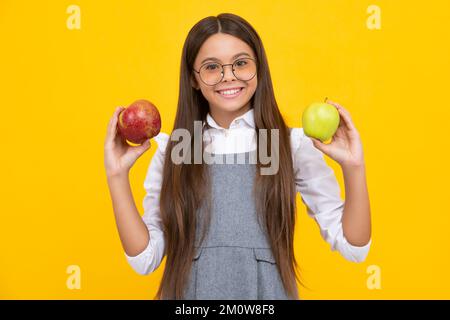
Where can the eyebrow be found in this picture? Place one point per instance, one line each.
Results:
(234, 57)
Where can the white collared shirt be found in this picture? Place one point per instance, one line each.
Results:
(315, 181)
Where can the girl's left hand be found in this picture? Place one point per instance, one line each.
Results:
(345, 146)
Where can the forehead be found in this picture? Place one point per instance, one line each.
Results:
(223, 47)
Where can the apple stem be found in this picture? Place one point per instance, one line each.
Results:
(326, 99)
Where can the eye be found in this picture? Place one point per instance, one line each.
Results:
(240, 63)
(211, 67)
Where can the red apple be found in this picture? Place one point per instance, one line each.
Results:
(139, 122)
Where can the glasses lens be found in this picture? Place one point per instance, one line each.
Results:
(244, 69)
(211, 73)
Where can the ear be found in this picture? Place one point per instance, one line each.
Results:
(194, 83)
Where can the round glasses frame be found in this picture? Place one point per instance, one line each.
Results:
(223, 73)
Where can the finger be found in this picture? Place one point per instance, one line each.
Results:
(329, 101)
(344, 120)
(143, 147)
(120, 141)
(344, 114)
(112, 126)
(113, 120)
(345, 111)
(319, 145)
(348, 120)
(138, 151)
(341, 108)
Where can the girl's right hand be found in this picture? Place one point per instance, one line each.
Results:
(119, 155)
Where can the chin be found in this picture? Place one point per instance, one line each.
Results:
(231, 106)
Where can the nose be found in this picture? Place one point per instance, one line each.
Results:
(228, 73)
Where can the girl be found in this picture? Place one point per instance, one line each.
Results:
(226, 229)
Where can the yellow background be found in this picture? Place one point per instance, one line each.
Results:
(59, 87)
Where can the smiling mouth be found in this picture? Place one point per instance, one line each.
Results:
(230, 93)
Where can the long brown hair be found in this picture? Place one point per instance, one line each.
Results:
(185, 185)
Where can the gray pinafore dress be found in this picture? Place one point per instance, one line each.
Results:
(235, 260)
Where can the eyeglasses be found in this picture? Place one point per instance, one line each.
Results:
(211, 73)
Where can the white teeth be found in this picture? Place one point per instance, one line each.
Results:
(230, 92)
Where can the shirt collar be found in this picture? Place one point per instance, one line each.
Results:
(248, 118)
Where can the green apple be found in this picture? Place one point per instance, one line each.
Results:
(320, 120)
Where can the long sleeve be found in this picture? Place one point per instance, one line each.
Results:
(148, 260)
(320, 192)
